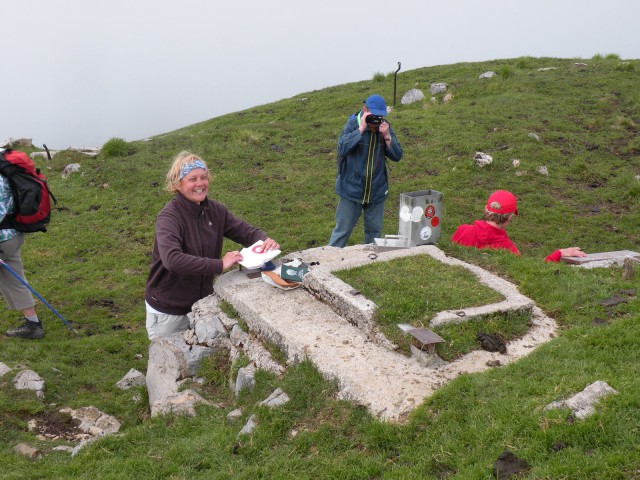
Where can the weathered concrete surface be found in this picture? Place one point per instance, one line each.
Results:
(341, 340)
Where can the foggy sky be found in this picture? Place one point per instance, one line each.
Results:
(78, 72)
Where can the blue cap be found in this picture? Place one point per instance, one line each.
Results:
(376, 105)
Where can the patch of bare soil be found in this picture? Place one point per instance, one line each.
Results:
(57, 426)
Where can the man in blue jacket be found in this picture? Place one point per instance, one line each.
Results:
(362, 184)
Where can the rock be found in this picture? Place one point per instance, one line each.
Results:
(447, 98)
(535, 136)
(249, 426)
(63, 448)
(546, 69)
(81, 445)
(182, 403)
(542, 170)
(483, 159)
(171, 359)
(488, 74)
(245, 378)
(69, 169)
(278, 397)
(32, 425)
(238, 336)
(412, 96)
(436, 88)
(515, 162)
(29, 380)
(208, 330)
(35, 155)
(133, 378)
(234, 414)
(89, 151)
(166, 366)
(582, 403)
(16, 142)
(93, 421)
(27, 451)
(4, 369)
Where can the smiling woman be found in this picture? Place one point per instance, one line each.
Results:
(187, 249)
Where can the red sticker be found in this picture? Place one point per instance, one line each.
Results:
(435, 221)
(429, 211)
(257, 249)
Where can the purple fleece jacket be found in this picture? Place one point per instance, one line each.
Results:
(187, 252)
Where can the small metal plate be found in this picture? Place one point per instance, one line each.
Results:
(423, 335)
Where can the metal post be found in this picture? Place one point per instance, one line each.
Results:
(394, 85)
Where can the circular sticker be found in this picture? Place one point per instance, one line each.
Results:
(405, 214)
(425, 233)
(257, 249)
(430, 211)
(435, 221)
(416, 214)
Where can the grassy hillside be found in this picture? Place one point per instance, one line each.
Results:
(274, 165)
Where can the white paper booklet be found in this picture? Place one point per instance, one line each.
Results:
(254, 257)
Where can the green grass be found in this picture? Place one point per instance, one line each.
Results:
(274, 165)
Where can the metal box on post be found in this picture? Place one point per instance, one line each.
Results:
(420, 217)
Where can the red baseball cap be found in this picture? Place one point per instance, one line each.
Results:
(502, 202)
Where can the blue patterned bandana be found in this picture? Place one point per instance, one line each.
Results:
(187, 167)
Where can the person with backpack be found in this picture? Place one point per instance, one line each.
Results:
(16, 294)
(187, 248)
(362, 185)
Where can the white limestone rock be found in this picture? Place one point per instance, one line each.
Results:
(278, 397)
(582, 404)
(133, 378)
(29, 380)
(412, 96)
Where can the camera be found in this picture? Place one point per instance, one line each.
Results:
(374, 119)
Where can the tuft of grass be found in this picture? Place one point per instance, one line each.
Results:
(505, 71)
(626, 67)
(116, 147)
(378, 77)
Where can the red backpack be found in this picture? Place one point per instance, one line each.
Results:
(31, 194)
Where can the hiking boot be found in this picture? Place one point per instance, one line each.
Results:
(31, 330)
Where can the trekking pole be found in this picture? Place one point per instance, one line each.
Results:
(3, 263)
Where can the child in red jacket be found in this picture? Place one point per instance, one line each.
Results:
(490, 231)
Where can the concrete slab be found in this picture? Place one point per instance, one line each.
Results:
(339, 336)
(616, 257)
